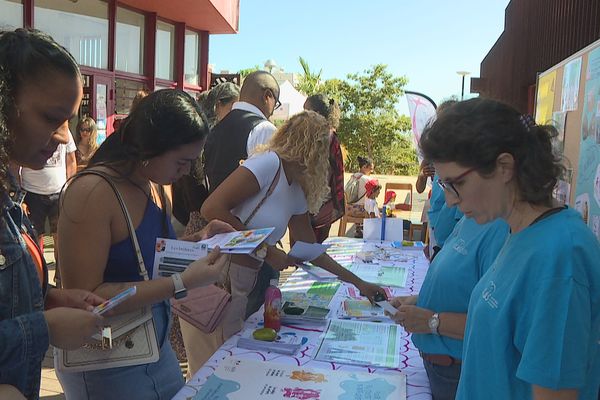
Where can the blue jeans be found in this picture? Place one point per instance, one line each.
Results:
(442, 380)
(156, 381)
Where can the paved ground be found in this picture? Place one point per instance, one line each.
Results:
(50, 387)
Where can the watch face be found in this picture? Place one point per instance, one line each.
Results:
(434, 322)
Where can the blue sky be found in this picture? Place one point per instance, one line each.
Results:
(425, 40)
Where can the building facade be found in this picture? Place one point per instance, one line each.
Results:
(124, 46)
(537, 35)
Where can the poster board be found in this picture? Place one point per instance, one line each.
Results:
(570, 93)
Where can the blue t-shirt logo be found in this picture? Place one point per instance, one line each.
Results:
(487, 295)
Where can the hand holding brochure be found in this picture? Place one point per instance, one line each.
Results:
(239, 242)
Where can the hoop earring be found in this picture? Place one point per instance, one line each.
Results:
(145, 163)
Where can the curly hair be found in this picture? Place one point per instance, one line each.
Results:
(25, 54)
(473, 133)
(304, 140)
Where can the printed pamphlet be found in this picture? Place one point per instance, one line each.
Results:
(237, 379)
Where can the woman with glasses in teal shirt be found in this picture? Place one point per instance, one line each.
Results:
(533, 322)
(436, 317)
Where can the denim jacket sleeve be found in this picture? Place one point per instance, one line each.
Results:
(24, 336)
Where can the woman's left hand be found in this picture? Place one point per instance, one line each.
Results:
(369, 290)
(213, 228)
(414, 319)
(73, 298)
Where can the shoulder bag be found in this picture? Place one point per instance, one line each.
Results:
(134, 339)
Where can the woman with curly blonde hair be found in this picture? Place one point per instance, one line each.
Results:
(278, 187)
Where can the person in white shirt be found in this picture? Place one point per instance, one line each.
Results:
(372, 188)
(43, 188)
(276, 187)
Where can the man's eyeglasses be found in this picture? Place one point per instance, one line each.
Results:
(449, 184)
(277, 102)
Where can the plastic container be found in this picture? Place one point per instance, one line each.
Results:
(273, 306)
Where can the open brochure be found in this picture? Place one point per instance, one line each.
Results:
(239, 242)
(242, 379)
(173, 255)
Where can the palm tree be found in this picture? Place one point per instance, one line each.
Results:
(309, 81)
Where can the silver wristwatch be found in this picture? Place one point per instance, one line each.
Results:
(434, 323)
(180, 290)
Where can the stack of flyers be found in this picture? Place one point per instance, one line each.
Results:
(240, 242)
(287, 342)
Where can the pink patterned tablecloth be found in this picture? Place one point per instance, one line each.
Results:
(411, 365)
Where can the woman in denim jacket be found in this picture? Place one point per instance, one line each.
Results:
(40, 90)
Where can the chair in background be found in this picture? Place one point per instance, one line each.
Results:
(398, 188)
(349, 217)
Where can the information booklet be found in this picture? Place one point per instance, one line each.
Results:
(173, 256)
(237, 379)
(239, 242)
(361, 343)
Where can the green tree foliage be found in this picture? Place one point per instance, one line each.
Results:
(247, 71)
(370, 124)
(309, 80)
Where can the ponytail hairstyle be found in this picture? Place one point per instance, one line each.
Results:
(364, 161)
(161, 121)
(473, 133)
(325, 106)
(25, 55)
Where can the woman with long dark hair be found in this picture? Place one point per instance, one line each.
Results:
(154, 146)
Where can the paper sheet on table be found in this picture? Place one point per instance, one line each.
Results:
(394, 229)
(361, 343)
(381, 274)
(307, 251)
(242, 379)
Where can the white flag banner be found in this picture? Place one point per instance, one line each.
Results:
(422, 110)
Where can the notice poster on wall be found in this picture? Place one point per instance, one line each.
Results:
(570, 89)
(559, 121)
(588, 180)
(545, 97)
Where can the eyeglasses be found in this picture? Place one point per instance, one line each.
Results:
(277, 102)
(85, 129)
(448, 185)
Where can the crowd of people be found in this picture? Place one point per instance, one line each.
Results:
(510, 305)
